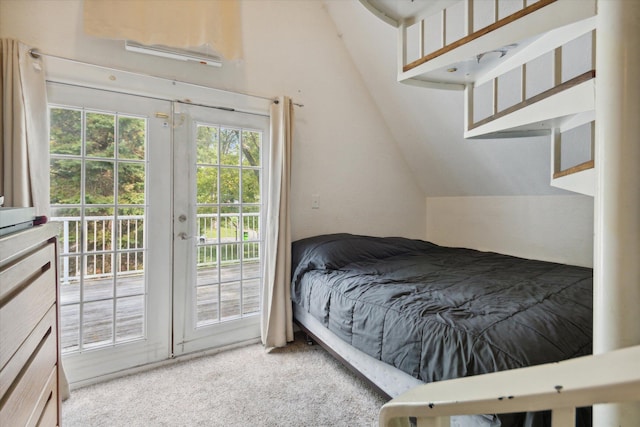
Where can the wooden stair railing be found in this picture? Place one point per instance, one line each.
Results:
(590, 164)
(479, 33)
(539, 97)
(612, 377)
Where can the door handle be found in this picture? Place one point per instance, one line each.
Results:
(185, 236)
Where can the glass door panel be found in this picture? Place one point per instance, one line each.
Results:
(218, 212)
(110, 154)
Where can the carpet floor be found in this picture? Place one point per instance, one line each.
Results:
(300, 385)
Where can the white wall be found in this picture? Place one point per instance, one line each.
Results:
(548, 228)
(429, 123)
(343, 150)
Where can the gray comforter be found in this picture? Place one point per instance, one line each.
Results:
(438, 313)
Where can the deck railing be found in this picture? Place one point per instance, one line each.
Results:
(222, 242)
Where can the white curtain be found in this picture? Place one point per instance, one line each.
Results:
(24, 135)
(183, 24)
(24, 128)
(277, 319)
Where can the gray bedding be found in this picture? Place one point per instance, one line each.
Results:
(438, 313)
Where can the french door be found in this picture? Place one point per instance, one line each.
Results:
(160, 212)
(218, 217)
(110, 181)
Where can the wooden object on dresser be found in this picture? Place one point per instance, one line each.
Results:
(29, 350)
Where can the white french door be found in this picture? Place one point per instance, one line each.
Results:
(110, 192)
(160, 212)
(218, 223)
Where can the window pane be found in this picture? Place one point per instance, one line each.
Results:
(251, 222)
(65, 181)
(69, 279)
(99, 265)
(98, 323)
(132, 133)
(230, 224)
(250, 186)
(70, 336)
(130, 230)
(228, 218)
(206, 304)
(207, 225)
(65, 132)
(99, 229)
(251, 296)
(129, 318)
(69, 235)
(130, 274)
(207, 181)
(230, 300)
(229, 185)
(100, 135)
(131, 177)
(99, 182)
(250, 256)
(229, 147)
(102, 254)
(207, 145)
(229, 254)
(251, 144)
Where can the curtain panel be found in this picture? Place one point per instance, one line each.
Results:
(24, 129)
(277, 317)
(181, 24)
(24, 136)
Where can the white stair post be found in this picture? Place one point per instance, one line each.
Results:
(617, 197)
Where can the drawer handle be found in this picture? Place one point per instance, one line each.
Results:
(46, 267)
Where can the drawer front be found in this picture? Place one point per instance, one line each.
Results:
(32, 296)
(22, 401)
(43, 330)
(45, 412)
(13, 275)
(49, 416)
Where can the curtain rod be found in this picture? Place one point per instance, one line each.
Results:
(37, 55)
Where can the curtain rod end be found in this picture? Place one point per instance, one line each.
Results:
(276, 101)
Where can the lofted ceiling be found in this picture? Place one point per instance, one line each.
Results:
(427, 124)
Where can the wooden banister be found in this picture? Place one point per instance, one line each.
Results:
(539, 97)
(477, 34)
(561, 387)
(590, 164)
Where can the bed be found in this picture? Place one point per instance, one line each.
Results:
(401, 312)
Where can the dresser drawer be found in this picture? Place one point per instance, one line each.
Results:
(29, 291)
(45, 413)
(27, 397)
(49, 415)
(36, 339)
(13, 275)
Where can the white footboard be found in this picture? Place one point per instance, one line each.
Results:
(612, 377)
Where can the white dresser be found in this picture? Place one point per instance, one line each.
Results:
(29, 350)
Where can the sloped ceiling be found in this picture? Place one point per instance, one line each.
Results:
(427, 124)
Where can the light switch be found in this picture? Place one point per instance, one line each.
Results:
(315, 201)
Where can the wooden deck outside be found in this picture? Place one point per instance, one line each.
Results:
(217, 301)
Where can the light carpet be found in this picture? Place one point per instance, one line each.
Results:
(300, 385)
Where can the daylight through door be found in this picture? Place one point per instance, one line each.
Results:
(218, 224)
(160, 209)
(110, 154)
